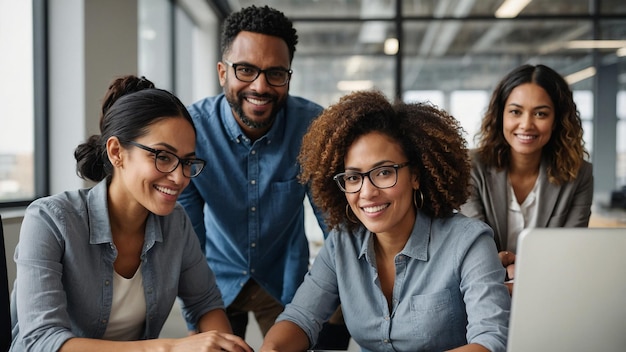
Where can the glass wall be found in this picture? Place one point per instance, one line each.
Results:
(453, 53)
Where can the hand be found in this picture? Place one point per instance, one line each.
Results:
(211, 341)
(508, 261)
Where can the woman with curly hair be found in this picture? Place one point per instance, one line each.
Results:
(529, 168)
(409, 272)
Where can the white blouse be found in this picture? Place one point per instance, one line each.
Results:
(521, 216)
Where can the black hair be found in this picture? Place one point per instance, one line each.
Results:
(263, 20)
(130, 106)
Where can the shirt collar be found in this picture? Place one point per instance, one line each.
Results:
(99, 224)
(416, 247)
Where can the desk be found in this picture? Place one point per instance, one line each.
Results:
(602, 215)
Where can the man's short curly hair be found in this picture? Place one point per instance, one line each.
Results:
(263, 20)
(431, 139)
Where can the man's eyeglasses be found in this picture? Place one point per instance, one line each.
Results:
(385, 176)
(276, 77)
(167, 162)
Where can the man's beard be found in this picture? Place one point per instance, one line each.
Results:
(237, 107)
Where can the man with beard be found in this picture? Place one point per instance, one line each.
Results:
(247, 207)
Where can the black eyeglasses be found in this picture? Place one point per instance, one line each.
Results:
(385, 176)
(167, 162)
(276, 77)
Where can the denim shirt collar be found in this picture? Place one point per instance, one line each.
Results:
(100, 227)
(234, 130)
(416, 247)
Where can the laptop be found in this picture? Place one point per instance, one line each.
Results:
(570, 291)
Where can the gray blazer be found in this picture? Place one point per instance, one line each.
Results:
(567, 205)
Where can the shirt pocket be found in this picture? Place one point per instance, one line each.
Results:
(287, 195)
(431, 314)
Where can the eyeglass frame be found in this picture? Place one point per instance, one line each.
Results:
(156, 153)
(259, 71)
(396, 167)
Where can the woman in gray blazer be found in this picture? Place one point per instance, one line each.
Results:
(529, 167)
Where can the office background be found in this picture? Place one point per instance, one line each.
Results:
(58, 57)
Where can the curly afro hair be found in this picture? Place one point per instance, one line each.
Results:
(264, 20)
(431, 139)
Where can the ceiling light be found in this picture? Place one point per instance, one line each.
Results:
(391, 46)
(351, 86)
(596, 44)
(580, 75)
(511, 8)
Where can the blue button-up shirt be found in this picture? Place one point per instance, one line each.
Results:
(65, 256)
(247, 205)
(448, 289)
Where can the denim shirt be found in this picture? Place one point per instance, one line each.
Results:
(448, 289)
(247, 205)
(65, 269)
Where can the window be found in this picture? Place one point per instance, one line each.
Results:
(621, 138)
(17, 145)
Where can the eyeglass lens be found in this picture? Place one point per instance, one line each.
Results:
(381, 177)
(167, 162)
(274, 77)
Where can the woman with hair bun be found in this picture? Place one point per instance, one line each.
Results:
(99, 269)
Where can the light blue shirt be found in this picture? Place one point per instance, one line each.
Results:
(247, 205)
(448, 289)
(65, 256)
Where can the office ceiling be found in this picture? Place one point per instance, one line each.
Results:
(449, 44)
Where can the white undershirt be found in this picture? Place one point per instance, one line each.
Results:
(520, 216)
(128, 311)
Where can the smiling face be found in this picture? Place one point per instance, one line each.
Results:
(254, 104)
(528, 120)
(136, 182)
(383, 211)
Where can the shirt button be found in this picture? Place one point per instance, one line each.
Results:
(253, 152)
(252, 244)
(107, 282)
(253, 182)
(244, 272)
(253, 208)
(386, 340)
(252, 271)
(241, 284)
(386, 317)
